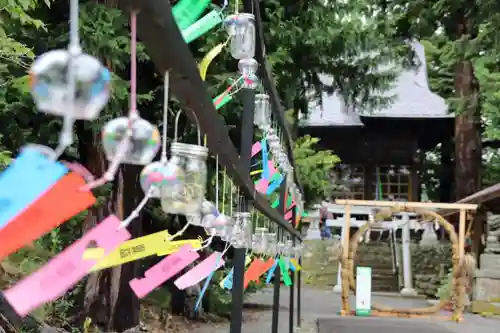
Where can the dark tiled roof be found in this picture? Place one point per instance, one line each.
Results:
(412, 99)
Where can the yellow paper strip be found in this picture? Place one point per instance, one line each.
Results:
(205, 62)
(295, 264)
(131, 250)
(172, 247)
(93, 254)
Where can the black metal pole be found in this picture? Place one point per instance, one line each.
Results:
(299, 295)
(277, 272)
(239, 253)
(292, 287)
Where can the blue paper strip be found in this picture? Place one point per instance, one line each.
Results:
(270, 273)
(228, 281)
(274, 185)
(205, 286)
(24, 181)
(265, 157)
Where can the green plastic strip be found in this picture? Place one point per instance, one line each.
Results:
(203, 25)
(186, 12)
(284, 273)
(221, 102)
(277, 202)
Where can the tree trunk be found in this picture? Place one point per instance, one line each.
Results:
(468, 148)
(108, 300)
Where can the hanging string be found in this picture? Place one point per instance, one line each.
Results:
(224, 192)
(74, 50)
(135, 213)
(133, 114)
(166, 83)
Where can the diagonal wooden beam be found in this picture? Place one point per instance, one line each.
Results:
(164, 44)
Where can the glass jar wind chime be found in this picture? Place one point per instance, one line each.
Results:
(262, 118)
(241, 30)
(188, 166)
(242, 230)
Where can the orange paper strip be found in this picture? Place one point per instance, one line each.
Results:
(61, 202)
(266, 266)
(253, 272)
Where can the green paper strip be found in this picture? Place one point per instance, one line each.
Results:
(226, 99)
(284, 273)
(186, 12)
(202, 26)
(277, 202)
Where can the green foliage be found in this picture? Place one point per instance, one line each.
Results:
(314, 167)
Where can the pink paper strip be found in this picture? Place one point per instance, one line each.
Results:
(163, 271)
(262, 185)
(288, 216)
(66, 269)
(256, 147)
(200, 272)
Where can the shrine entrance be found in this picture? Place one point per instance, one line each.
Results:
(425, 210)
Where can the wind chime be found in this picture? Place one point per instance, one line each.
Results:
(74, 85)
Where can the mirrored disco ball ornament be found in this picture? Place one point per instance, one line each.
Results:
(143, 144)
(49, 84)
(157, 174)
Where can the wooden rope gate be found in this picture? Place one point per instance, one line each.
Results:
(458, 271)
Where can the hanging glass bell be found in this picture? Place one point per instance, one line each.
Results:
(49, 86)
(224, 225)
(262, 111)
(209, 214)
(192, 159)
(241, 29)
(143, 143)
(154, 176)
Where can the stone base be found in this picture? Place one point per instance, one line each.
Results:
(489, 261)
(487, 285)
(313, 234)
(483, 307)
(408, 292)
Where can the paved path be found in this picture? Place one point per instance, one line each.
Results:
(326, 304)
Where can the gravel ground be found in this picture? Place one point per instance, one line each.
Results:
(325, 304)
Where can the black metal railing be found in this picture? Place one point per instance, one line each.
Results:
(164, 43)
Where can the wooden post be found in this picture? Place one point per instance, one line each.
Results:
(461, 234)
(345, 265)
(460, 291)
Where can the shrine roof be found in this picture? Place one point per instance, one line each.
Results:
(412, 98)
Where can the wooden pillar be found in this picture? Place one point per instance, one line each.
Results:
(414, 169)
(345, 311)
(446, 171)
